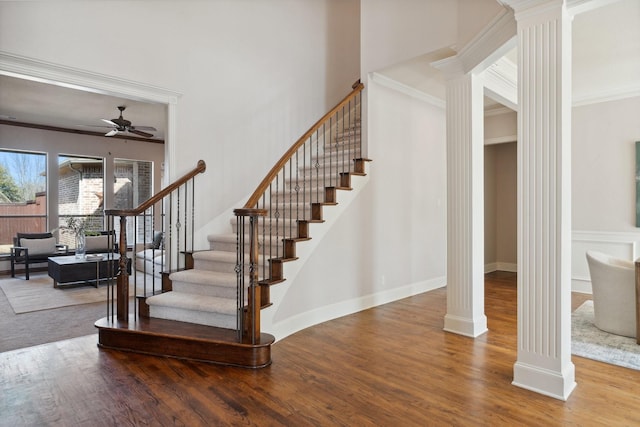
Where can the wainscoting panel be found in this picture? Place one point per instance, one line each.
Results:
(619, 244)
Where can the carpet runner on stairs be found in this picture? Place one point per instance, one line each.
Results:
(207, 294)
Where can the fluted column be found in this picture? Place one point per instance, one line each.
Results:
(465, 203)
(544, 203)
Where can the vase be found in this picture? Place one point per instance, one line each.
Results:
(80, 245)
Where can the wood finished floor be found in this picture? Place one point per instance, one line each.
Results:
(388, 366)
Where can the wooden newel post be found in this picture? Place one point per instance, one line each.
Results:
(122, 290)
(254, 287)
(249, 320)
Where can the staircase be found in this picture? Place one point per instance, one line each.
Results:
(209, 310)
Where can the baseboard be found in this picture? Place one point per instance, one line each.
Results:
(581, 286)
(501, 266)
(323, 314)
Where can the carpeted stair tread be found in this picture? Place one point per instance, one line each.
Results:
(202, 303)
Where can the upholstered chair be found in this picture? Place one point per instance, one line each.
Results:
(32, 248)
(614, 297)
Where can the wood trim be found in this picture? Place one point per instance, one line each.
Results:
(255, 197)
(200, 168)
(78, 132)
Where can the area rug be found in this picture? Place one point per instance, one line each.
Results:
(38, 293)
(592, 343)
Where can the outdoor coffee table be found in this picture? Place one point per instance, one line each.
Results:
(69, 269)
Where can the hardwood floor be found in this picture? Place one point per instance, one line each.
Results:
(388, 366)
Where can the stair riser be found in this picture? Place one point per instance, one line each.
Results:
(220, 266)
(210, 319)
(289, 212)
(208, 290)
(323, 195)
(313, 183)
(231, 247)
(333, 156)
(277, 232)
(328, 169)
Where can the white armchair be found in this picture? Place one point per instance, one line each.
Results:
(614, 297)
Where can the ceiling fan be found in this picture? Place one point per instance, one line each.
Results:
(123, 125)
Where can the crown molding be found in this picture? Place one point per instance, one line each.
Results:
(501, 83)
(47, 72)
(493, 42)
(575, 7)
(606, 95)
(407, 90)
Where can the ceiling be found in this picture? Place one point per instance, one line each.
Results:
(606, 58)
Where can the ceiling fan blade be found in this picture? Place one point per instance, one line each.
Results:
(139, 132)
(149, 128)
(111, 132)
(109, 122)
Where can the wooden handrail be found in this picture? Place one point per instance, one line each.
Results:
(200, 168)
(255, 197)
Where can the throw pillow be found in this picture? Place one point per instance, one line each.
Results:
(39, 246)
(97, 243)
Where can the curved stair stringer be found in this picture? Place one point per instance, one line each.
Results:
(269, 318)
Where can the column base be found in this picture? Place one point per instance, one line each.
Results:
(558, 385)
(465, 326)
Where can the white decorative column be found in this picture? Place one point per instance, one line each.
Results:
(465, 201)
(544, 202)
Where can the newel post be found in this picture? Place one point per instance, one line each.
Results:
(249, 315)
(122, 292)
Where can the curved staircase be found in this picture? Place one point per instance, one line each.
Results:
(202, 303)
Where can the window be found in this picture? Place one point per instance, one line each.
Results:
(133, 184)
(23, 198)
(80, 194)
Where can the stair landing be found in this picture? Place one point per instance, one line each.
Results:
(170, 338)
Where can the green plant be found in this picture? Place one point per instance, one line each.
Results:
(74, 225)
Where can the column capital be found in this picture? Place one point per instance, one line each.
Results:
(530, 8)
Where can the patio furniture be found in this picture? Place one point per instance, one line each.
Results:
(69, 269)
(104, 241)
(32, 248)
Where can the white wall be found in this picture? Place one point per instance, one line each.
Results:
(500, 192)
(254, 75)
(473, 16)
(603, 147)
(604, 183)
(490, 206)
(398, 30)
(500, 128)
